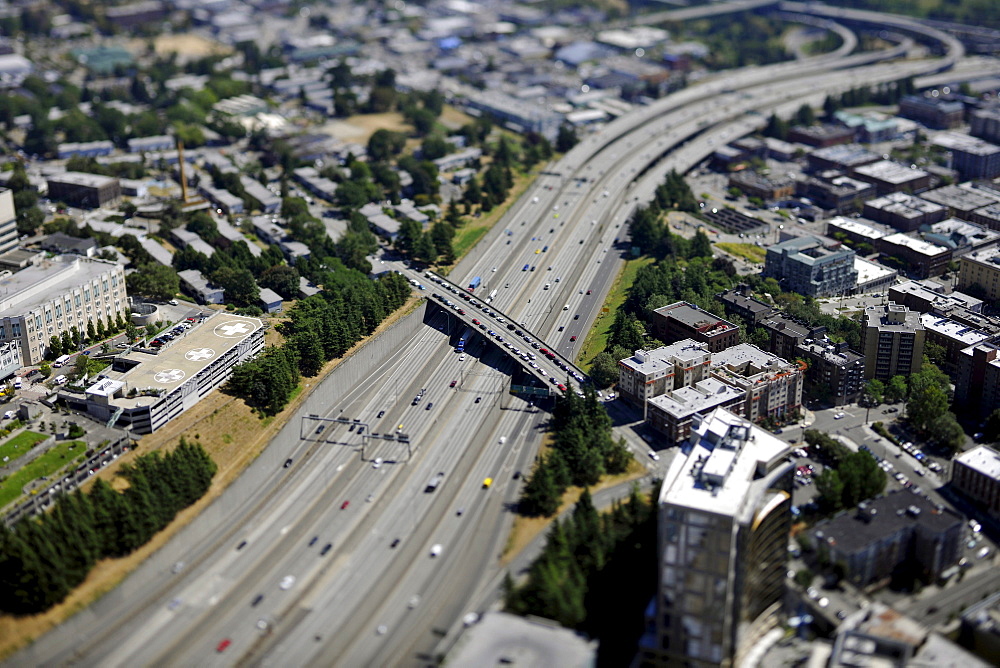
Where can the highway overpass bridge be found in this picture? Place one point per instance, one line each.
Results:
(526, 348)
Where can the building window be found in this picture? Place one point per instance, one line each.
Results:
(15, 329)
(77, 298)
(86, 295)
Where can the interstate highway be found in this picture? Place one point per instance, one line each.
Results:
(217, 587)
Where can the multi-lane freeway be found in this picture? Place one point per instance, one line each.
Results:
(343, 556)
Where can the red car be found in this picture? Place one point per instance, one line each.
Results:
(223, 644)
(453, 383)
(572, 338)
(475, 322)
(589, 291)
(344, 505)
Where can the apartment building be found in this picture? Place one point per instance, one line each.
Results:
(649, 373)
(772, 385)
(723, 523)
(976, 474)
(892, 341)
(811, 265)
(681, 320)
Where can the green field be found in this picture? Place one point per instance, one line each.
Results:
(19, 445)
(748, 252)
(597, 339)
(53, 460)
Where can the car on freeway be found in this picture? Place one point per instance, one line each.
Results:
(652, 455)
(572, 338)
(377, 463)
(394, 543)
(453, 383)
(525, 267)
(380, 414)
(576, 317)
(223, 644)
(344, 505)
(256, 600)
(478, 399)
(436, 550)
(326, 548)
(429, 406)
(589, 292)
(287, 582)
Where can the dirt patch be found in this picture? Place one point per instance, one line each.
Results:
(188, 47)
(231, 432)
(360, 128)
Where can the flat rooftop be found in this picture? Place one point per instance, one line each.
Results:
(956, 331)
(683, 486)
(687, 351)
(885, 516)
(983, 459)
(890, 172)
(917, 245)
(186, 356)
(855, 227)
(21, 291)
(705, 395)
(869, 271)
(693, 316)
(502, 638)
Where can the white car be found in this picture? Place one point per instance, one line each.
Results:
(377, 463)
(287, 582)
(436, 549)
(652, 455)
(838, 416)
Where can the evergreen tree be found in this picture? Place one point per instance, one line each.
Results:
(540, 496)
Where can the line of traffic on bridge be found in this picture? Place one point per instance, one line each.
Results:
(528, 358)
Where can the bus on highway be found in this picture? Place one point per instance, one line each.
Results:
(462, 341)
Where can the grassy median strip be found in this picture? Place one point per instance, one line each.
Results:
(59, 456)
(597, 338)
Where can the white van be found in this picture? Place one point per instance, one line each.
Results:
(60, 379)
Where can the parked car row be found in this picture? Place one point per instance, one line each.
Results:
(175, 332)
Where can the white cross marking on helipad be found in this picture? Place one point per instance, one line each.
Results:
(199, 354)
(168, 376)
(234, 328)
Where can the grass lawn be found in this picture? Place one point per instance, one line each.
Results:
(53, 460)
(597, 339)
(19, 445)
(748, 252)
